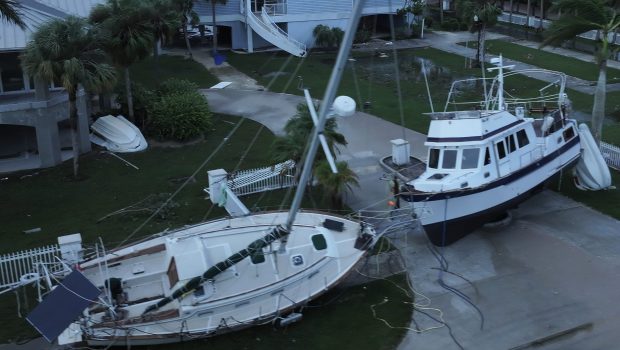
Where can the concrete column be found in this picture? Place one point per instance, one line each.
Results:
(249, 33)
(41, 90)
(48, 141)
(82, 124)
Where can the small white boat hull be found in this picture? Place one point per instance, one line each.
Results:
(117, 134)
(592, 172)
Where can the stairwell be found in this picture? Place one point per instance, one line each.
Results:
(265, 26)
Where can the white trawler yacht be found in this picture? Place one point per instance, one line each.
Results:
(484, 161)
(201, 280)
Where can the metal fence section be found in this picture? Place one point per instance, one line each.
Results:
(611, 154)
(263, 179)
(21, 268)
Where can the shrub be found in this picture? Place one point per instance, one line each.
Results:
(450, 24)
(174, 85)
(142, 99)
(362, 36)
(180, 116)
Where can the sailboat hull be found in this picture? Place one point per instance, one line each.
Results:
(320, 252)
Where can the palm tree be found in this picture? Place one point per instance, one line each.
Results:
(301, 124)
(164, 21)
(479, 15)
(213, 3)
(323, 35)
(335, 185)
(188, 16)
(9, 11)
(128, 32)
(580, 16)
(67, 51)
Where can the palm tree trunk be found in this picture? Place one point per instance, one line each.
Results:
(214, 28)
(187, 45)
(129, 95)
(510, 13)
(527, 15)
(478, 48)
(598, 109)
(542, 13)
(441, 11)
(73, 120)
(482, 42)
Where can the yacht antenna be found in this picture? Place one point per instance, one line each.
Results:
(499, 62)
(330, 92)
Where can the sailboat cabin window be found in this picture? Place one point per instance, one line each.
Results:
(568, 133)
(487, 157)
(449, 159)
(522, 138)
(501, 151)
(433, 158)
(470, 158)
(319, 242)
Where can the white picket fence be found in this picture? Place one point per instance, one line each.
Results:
(611, 154)
(21, 268)
(262, 179)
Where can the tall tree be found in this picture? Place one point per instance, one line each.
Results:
(213, 3)
(128, 32)
(479, 15)
(10, 12)
(69, 52)
(578, 17)
(335, 185)
(165, 20)
(188, 16)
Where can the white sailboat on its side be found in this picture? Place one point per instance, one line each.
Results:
(209, 278)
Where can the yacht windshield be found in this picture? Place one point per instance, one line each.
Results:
(470, 158)
(433, 158)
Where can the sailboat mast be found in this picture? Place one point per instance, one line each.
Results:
(330, 93)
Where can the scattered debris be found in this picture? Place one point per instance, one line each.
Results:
(152, 203)
(32, 230)
(123, 160)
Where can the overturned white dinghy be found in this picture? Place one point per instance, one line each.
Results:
(591, 173)
(117, 134)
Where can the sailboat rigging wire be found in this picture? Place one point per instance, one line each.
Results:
(186, 182)
(428, 90)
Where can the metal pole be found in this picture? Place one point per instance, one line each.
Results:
(330, 92)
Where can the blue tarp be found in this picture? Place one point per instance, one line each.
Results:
(63, 305)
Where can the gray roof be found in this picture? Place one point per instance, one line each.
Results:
(36, 12)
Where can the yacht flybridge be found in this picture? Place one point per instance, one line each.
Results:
(486, 160)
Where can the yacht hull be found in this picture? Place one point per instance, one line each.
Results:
(449, 216)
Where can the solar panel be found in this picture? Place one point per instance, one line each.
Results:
(63, 305)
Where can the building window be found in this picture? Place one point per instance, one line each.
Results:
(470, 158)
(11, 72)
(433, 158)
(449, 159)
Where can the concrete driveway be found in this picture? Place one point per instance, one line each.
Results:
(550, 279)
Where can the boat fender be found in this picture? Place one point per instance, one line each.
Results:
(547, 122)
(289, 319)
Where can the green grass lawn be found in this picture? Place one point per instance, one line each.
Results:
(152, 71)
(548, 60)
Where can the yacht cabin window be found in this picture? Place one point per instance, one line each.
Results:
(510, 144)
(433, 158)
(470, 158)
(522, 138)
(501, 151)
(449, 159)
(487, 157)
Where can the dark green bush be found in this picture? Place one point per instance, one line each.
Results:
(450, 24)
(142, 99)
(174, 86)
(180, 116)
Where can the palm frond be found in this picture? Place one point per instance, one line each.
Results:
(565, 28)
(10, 12)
